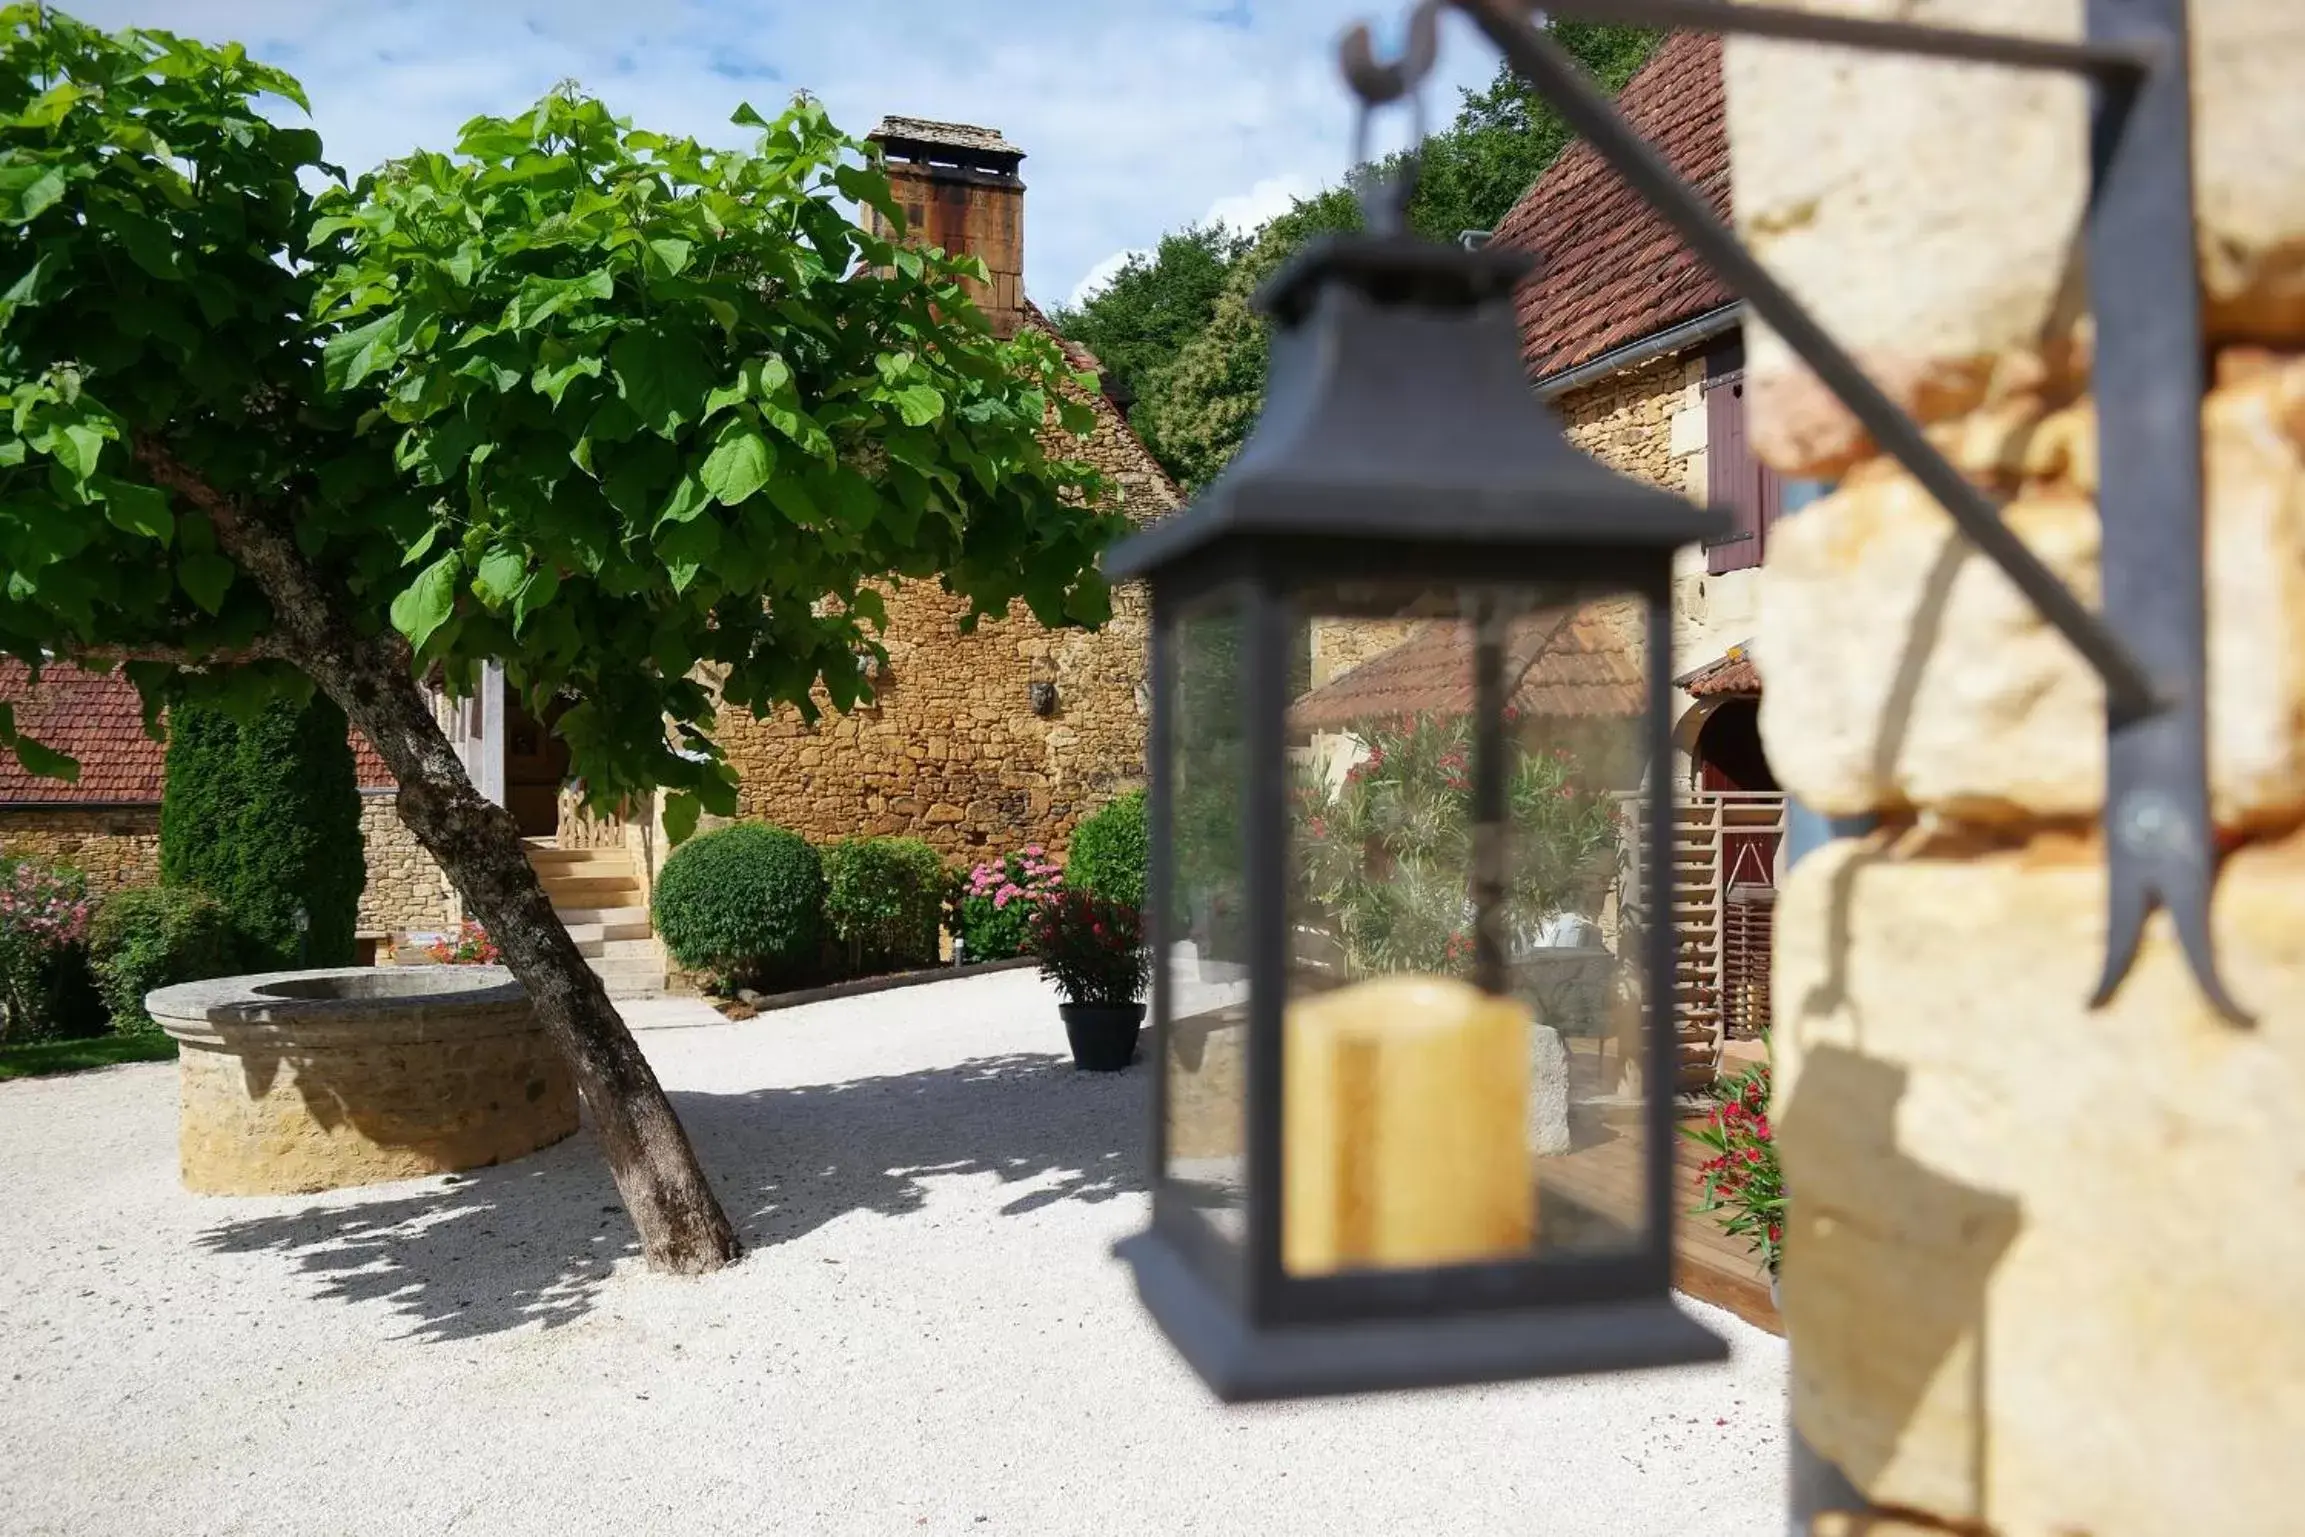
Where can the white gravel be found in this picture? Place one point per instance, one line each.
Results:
(929, 1334)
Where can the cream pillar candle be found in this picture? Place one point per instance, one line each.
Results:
(1404, 1122)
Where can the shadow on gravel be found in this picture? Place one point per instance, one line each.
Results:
(531, 1242)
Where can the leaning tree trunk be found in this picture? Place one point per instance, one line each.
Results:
(682, 1227)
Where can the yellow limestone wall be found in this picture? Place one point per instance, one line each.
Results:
(2041, 1268)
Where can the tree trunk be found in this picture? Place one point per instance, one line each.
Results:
(682, 1228)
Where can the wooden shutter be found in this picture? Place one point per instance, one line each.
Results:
(1736, 482)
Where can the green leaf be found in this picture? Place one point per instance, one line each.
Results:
(745, 117)
(503, 573)
(47, 763)
(740, 463)
(663, 376)
(351, 356)
(205, 576)
(790, 497)
(425, 605)
(542, 586)
(28, 191)
(687, 549)
(918, 404)
(666, 258)
(1075, 418)
(78, 447)
(681, 810)
(552, 380)
(136, 509)
(688, 498)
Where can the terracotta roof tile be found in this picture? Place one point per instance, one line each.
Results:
(1611, 271)
(98, 719)
(1589, 666)
(1733, 673)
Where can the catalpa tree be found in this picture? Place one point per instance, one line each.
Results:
(647, 422)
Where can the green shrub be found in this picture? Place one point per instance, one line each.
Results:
(883, 900)
(992, 907)
(155, 936)
(743, 904)
(1108, 852)
(264, 816)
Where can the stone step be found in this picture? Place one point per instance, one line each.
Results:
(587, 891)
(613, 933)
(547, 858)
(632, 949)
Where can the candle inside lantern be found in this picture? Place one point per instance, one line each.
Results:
(1404, 1122)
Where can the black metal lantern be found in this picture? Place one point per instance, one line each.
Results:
(1414, 1074)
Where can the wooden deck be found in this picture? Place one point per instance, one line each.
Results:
(1604, 1174)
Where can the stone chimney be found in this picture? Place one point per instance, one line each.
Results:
(959, 189)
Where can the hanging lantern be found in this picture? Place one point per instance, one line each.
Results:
(1414, 1069)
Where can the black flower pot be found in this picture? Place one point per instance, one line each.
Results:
(1103, 1035)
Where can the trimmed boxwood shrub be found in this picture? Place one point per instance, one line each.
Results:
(883, 900)
(155, 936)
(264, 815)
(1108, 852)
(743, 904)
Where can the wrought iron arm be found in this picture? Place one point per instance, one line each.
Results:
(2148, 385)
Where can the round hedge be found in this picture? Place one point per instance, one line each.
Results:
(1108, 852)
(155, 936)
(743, 903)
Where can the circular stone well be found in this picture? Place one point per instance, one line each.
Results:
(299, 1081)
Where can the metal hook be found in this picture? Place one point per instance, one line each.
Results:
(1379, 84)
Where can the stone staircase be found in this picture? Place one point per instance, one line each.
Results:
(599, 896)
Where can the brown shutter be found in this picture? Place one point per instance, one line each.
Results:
(1734, 481)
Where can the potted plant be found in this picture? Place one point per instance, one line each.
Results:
(1093, 949)
(1743, 1188)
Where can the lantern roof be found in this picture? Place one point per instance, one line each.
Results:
(1398, 412)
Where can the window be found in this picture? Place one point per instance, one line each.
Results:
(1734, 480)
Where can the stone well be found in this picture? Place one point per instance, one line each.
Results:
(312, 1080)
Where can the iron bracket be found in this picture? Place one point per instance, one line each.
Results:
(2148, 379)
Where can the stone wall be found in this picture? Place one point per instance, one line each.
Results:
(406, 890)
(1649, 422)
(2036, 1280)
(113, 847)
(951, 749)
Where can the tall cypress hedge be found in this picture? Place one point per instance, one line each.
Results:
(264, 815)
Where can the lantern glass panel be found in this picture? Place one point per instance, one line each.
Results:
(1426, 1121)
(1205, 969)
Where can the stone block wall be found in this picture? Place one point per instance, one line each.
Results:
(951, 748)
(1649, 422)
(2037, 1277)
(113, 847)
(406, 890)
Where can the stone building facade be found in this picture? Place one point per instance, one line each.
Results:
(2039, 1273)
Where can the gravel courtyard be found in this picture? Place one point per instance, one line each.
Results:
(928, 1335)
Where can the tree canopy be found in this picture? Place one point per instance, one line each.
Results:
(1179, 330)
(598, 403)
(646, 422)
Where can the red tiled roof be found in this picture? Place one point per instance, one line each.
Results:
(1734, 673)
(1611, 271)
(1588, 666)
(98, 719)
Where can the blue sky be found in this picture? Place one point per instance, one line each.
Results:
(1136, 116)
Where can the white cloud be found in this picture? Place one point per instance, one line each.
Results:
(1136, 115)
(1248, 212)
(1100, 276)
